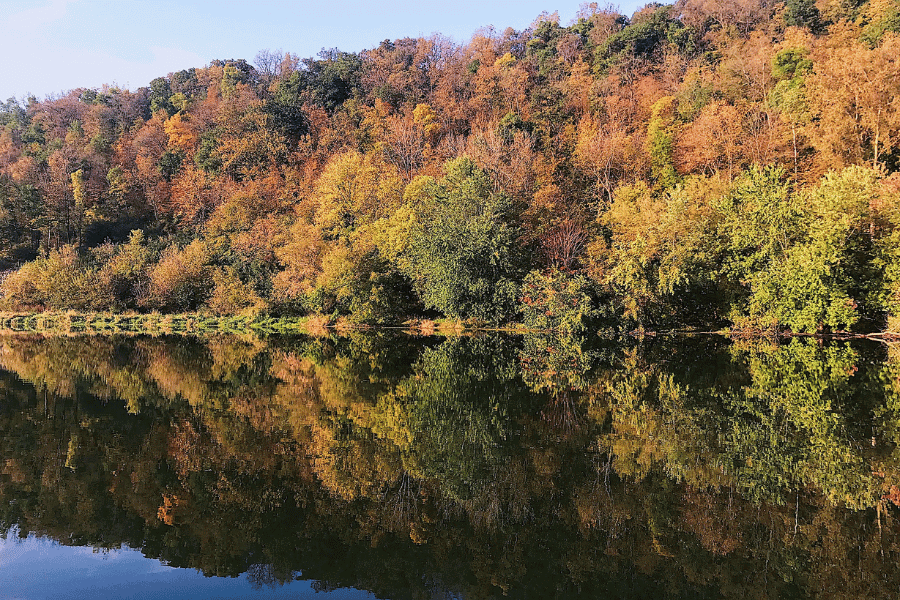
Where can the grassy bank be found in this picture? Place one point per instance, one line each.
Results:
(108, 323)
(70, 322)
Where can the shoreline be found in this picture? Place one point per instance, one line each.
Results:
(100, 323)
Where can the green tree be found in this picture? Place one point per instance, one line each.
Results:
(661, 143)
(462, 257)
(823, 270)
(802, 13)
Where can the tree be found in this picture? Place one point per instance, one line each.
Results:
(160, 92)
(180, 281)
(61, 280)
(802, 13)
(327, 82)
(353, 190)
(713, 142)
(605, 152)
(461, 257)
(854, 101)
(660, 143)
(662, 258)
(790, 67)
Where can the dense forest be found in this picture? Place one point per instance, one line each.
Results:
(703, 164)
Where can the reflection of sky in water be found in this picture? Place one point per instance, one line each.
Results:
(37, 569)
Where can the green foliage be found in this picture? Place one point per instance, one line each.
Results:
(170, 164)
(461, 256)
(888, 21)
(755, 250)
(509, 125)
(643, 37)
(20, 222)
(803, 291)
(542, 46)
(885, 296)
(661, 144)
(286, 114)
(362, 285)
(798, 254)
(160, 92)
(327, 82)
(558, 301)
(206, 156)
(802, 13)
(124, 274)
(790, 63)
(761, 220)
(664, 253)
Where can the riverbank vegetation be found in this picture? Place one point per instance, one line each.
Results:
(693, 165)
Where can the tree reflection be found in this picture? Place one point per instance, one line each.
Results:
(417, 467)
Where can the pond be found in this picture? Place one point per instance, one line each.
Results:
(393, 466)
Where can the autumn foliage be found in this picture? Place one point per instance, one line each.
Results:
(705, 163)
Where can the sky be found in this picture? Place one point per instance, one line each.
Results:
(52, 46)
(40, 569)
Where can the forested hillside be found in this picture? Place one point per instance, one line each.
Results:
(707, 163)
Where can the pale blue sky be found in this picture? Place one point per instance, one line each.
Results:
(50, 46)
(37, 568)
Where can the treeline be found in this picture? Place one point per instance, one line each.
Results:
(699, 164)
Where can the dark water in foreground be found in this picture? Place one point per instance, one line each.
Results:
(398, 467)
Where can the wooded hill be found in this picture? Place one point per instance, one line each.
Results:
(707, 163)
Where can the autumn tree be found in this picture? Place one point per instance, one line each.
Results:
(854, 102)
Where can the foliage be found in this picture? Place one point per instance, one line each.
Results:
(180, 281)
(461, 256)
(691, 160)
(640, 38)
(230, 295)
(663, 253)
(559, 302)
(60, 280)
(802, 13)
(661, 144)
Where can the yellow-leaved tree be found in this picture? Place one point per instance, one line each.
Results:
(355, 189)
(854, 100)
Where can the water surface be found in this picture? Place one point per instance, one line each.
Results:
(473, 467)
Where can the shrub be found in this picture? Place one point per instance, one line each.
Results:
(558, 301)
(180, 281)
(230, 295)
(60, 280)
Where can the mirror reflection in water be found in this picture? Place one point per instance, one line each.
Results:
(470, 467)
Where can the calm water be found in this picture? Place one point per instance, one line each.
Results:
(398, 467)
